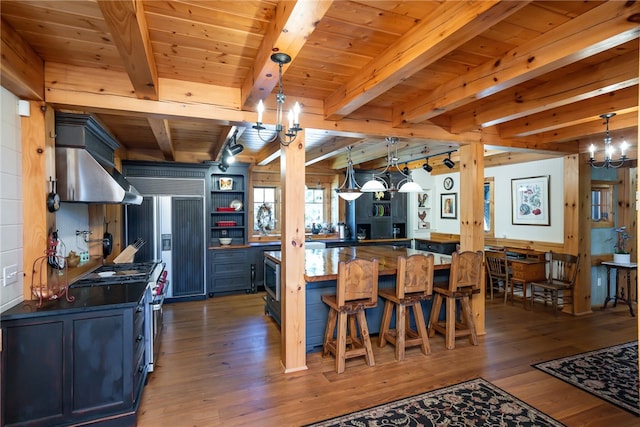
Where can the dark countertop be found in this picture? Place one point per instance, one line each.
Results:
(349, 242)
(86, 299)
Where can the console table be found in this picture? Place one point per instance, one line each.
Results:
(619, 294)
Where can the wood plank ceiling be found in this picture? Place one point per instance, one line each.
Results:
(172, 80)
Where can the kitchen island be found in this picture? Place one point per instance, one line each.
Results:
(321, 273)
(75, 362)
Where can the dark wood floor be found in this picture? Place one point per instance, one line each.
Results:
(220, 366)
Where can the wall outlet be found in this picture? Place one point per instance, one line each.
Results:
(10, 274)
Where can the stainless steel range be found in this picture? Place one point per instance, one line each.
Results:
(150, 272)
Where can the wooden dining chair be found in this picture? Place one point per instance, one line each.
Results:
(497, 271)
(562, 270)
(346, 334)
(465, 279)
(414, 284)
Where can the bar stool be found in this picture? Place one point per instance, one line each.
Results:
(414, 285)
(465, 279)
(357, 290)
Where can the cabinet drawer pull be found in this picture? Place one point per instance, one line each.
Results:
(141, 369)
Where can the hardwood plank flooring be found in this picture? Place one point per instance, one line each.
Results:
(219, 365)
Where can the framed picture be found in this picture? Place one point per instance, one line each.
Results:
(530, 201)
(449, 205)
(226, 183)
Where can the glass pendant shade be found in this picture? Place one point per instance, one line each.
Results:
(410, 187)
(349, 190)
(349, 195)
(372, 186)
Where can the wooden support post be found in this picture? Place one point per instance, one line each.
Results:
(577, 227)
(472, 216)
(293, 327)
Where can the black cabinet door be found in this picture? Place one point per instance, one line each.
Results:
(188, 246)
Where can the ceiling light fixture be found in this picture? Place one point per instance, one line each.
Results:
(285, 137)
(448, 162)
(427, 167)
(608, 149)
(230, 151)
(377, 183)
(349, 190)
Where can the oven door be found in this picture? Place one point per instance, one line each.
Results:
(272, 278)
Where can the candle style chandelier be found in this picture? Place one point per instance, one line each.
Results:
(285, 137)
(377, 183)
(608, 149)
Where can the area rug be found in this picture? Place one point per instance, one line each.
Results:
(610, 373)
(471, 403)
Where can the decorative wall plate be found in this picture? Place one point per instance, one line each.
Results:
(448, 183)
(236, 204)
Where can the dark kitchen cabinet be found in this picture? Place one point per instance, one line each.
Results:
(229, 271)
(448, 247)
(378, 213)
(65, 369)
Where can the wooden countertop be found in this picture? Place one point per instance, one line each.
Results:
(322, 264)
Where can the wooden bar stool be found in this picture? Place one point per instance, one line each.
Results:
(414, 284)
(464, 280)
(357, 290)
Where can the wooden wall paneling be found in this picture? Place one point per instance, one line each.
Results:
(472, 216)
(577, 227)
(22, 69)
(37, 167)
(293, 328)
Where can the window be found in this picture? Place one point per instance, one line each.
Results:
(601, 204)
(266, 206)
(488, 206)
(314, 207)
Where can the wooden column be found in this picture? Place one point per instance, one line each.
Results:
(472, 216)
(293, 327)
(38, 164)
(577, 226)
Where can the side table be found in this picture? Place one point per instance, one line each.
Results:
(619, 293)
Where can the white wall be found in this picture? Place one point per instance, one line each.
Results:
(11, 222)
(502, 197)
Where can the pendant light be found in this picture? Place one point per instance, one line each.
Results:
(349, 190)
(377, 183)
(608, 149)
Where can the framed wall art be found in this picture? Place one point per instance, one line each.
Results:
(225, 183)
(530, 201)
(449, 205)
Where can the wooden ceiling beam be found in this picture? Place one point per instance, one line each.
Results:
(453, 24)
(615, 74)
(594, 128)
(162, 133)
(293, 23)
(21, 69)
(604, 27)
(128, 27)
(572, 114)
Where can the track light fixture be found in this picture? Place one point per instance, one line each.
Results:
(230, 151)
(427, 167)
(448, 162)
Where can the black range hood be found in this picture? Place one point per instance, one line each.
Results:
(85, 166)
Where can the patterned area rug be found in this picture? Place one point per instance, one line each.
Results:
(471, 403)
(610, 373)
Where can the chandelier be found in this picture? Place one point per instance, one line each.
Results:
(377, 183)
(608, 149)
(349, 190)
(285, 137)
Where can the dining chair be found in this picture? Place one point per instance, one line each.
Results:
(414, 284)
(497, 271)
(562, 270)
(356, 290)
(465, 279)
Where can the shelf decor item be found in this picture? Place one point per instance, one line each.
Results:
(225, 183)
(530, 201)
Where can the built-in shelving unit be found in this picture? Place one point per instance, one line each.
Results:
(229, 205)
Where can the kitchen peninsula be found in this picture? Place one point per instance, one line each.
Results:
(321, 272)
